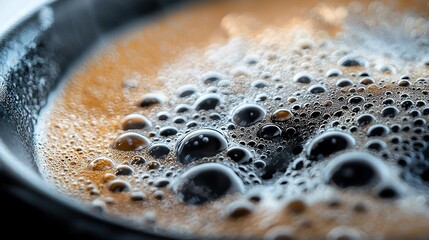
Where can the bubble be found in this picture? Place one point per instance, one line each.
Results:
(316, 89)
(248, 114)
(344, 233)
(179, 120)
(352, 61)
(388, 101)
(259, 164)
(124, 170)
(407, 104)
(356, 100)
(119, 185)
(365, 119)
(158, 194)
(151, 99)
(215, 116)
(159, 151)
(303, 78)
(238, 209)
(208, 102)
(296, 206)
(390, 112)
(239, 154)
(163, 116)
(198, 144)
(168, 131)
(108, 177)
(328, 143)
(354, 169)
(137, 160)
(378, 130)
(388, 69)
(261, 97)
(98, 205)
(269, 132)
(376, 145)
(367, 81)
(162, 182)
(186, 91)
(181, 108)
(207, 182)
(130, 141)
(419, 122)
(135, 121)
(211, 77)
(192, 124)
(138, 196)
(404, 83)
(153, 165)
(388, 192)
(333, 73)
(101, 164)
(280, 233)
(259, 84)
(281, 115)
(345, 82)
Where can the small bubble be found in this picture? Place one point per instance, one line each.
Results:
(124, 170)
(296, 206)
(207, 182)
(376, 145)
(352, 61)
(238, 209)
(328, 143)
(152, 165)
(135, 121)
(281, 115)
(163, 116)
(211, 77)
(138, 196)
(280, 233)
(303, 78)
(333, 73)
(248, 114)
(259, 84)
(137, 160)
(159, 151)
(345, 82)
(365, 119)
(378, 130)
(316, 89)
(367, 81)
(344, 233)
(239, 155)
(101, 164)
(186, 91)
(130, 141)
(151, 99)
(118, 185)
(208, 102)
(356, 100)
(198, 144)
(168, 131)
(162, 182)
(390, 112)
(269, 132)
(354, 169)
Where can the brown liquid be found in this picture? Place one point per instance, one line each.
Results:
(175, 50)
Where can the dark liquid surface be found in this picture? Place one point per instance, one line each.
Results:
(252, 119)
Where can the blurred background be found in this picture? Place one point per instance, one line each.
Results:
(13, 10)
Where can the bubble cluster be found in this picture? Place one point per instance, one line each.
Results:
(264, 127)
